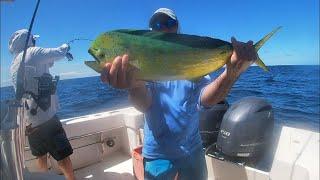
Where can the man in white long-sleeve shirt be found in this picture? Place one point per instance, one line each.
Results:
(44, 129)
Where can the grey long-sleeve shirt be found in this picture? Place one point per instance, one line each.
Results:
(38, 61)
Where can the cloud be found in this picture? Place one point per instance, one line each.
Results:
(5, 83)
(74, 74)
(71, 74)
(63, 75)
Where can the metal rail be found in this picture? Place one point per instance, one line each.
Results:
(27, 148)
(95, 133)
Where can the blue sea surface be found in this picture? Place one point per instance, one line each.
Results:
(293, 92)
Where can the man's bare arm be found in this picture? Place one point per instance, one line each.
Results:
(242, 57)
(217, 90)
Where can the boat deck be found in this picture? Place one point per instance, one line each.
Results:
(293, 155)
(117, 166)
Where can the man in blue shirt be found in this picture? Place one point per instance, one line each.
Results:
(172, 143)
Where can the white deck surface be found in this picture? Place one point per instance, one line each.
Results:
(117, 167)
(295, 155)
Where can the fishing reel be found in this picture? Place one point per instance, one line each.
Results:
(69, 55)
(47, 86)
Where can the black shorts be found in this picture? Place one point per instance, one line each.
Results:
(50, 137)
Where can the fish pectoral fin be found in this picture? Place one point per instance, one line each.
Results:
(94, 65)
(261, 64)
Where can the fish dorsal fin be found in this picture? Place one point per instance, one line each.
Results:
(183, 39)
(132, 31)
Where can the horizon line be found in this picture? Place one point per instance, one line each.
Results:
(254, 65)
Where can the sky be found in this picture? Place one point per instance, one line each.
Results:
(60, 21)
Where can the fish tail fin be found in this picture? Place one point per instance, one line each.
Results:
(94, 65)
(260, 43)
(261, 64)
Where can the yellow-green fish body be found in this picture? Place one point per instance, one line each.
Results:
(164, 56)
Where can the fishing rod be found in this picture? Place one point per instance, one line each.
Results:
(12, 123)
(20, 91)
(21, 79)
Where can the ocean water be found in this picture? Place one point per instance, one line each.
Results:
(293, 92)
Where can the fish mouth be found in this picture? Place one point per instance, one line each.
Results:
(91, 51)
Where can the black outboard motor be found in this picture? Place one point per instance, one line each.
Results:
(210, 121)
(246, 129)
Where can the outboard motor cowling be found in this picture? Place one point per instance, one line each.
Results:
(246, 128)
(210, 121)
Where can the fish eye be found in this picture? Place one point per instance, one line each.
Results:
(100, 54)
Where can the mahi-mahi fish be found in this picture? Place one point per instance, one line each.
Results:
(165, 56)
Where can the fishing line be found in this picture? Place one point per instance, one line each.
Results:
(73, 41)
(78, 39)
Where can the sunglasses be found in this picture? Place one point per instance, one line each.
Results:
(160, 25)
